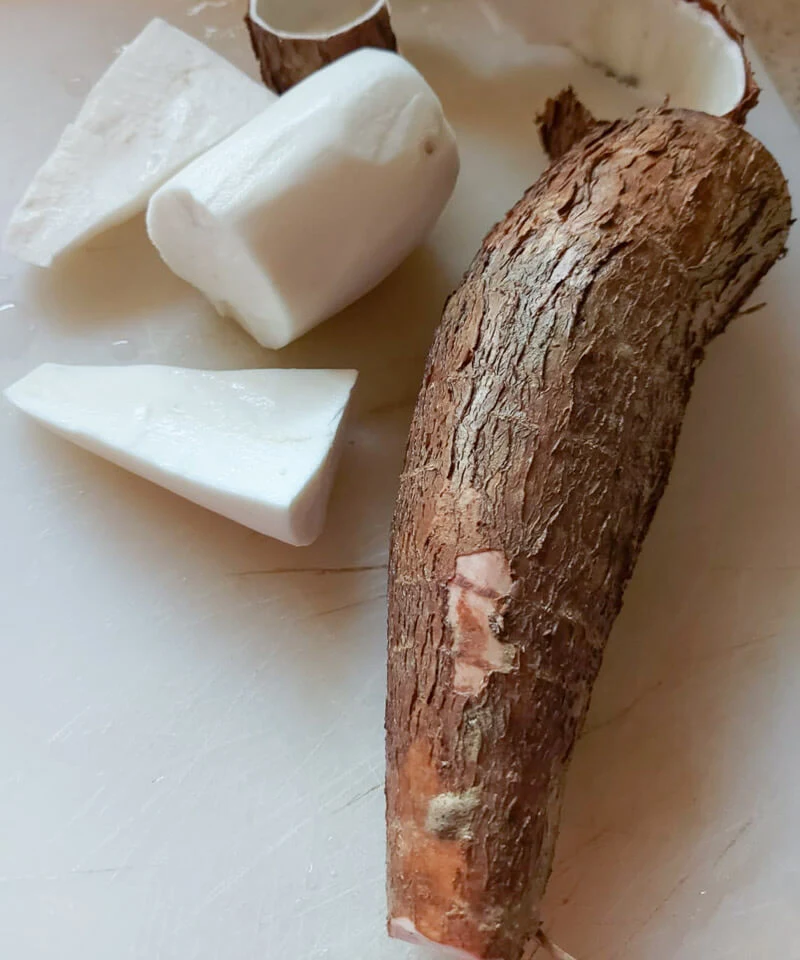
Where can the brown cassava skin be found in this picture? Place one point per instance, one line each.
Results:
(564, 122)
(286, 61)
(543, 438)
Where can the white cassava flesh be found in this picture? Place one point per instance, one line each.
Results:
(258, 446)
(293, 38)
(313, 203)
(312, 19)
(164, 100)
(685, 49)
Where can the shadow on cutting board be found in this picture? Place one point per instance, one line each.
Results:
(116, 275)
(669, 817)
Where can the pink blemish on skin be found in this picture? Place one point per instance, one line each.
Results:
(468, 497)
(404, 929)
(477, 598)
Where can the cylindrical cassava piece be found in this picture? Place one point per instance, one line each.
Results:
(293, 38)
(541, 444)
(315, 201)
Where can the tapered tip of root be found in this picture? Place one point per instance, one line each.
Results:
(404, 929)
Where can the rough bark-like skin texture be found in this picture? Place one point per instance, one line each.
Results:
(286, 61)
(541, 445)
(564, 122)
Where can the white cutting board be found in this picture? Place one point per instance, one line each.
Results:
(191, 744)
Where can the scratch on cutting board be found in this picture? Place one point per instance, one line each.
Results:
(391, 405)
(285, 802)
(340, 609)
(742, 830)
(313, 571)
(315, 905)
(359, 796)
(624, 711)
(300, 825)
(277, 801)
(702, 660)
(585, 845)
(198, 8)
(70, 875)
(228, 883)
(87, 806)
(346, 779)
(651, 916)
(740, 647)
(494, 21)
(64, 732)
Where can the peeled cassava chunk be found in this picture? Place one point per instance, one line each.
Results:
(258, 446)
(313, 203)
(542, 442)
(163, 101)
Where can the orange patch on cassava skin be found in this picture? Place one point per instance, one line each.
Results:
(438, 864)
(478, 595)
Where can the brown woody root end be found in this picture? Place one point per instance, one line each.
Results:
(286, 58)
(564, 122)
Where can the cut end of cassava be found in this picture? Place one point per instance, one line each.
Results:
(405, 929)
(294, 38)
(687, 51)
(565, 120)
(748, 91)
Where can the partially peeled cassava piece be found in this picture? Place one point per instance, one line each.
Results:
(258, 446)
(166, 99)
(293, 38)
(687, 50)
(542, 442)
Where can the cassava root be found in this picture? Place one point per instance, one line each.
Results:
(542, 442)
(288, 57)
